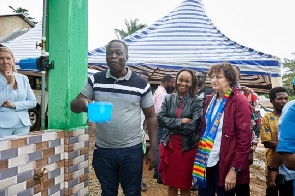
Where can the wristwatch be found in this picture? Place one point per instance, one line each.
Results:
(235, 169)
(272, 168)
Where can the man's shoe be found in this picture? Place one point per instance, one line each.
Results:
(159, 181)
(143, 187)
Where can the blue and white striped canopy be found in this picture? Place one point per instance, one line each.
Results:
(186, 37)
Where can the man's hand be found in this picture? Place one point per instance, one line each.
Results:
(230, 180)
(271, 180)
(151, 158)
(80, 104)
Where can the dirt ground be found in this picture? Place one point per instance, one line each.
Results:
(257, 184)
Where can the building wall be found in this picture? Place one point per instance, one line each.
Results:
(10, 23)
(64, 154)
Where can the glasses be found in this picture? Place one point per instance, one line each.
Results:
(200, 77)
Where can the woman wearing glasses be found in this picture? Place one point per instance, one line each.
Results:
(221, 163)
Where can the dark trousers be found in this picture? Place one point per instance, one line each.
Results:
(285, 189)
(119, 165)
(212, 176)
(156, 171)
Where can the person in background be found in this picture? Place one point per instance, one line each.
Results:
(202, 89)
(166, 87)
(269, 132)
(255, 116)
(16, 97)
(221, 164)
(117, 156)
(144, 129)
(286, 145)
(179, 116)
(202, 92)
(277, 165)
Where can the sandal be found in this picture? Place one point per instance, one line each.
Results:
(143, 186)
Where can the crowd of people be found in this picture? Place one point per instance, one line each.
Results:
(201, 138)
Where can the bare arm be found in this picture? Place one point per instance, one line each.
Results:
(79, 104)
(270, 144)
(152, 125)
(276, 160)
(145, 125)
(275, 163)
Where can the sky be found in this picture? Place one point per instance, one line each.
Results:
(264, 25)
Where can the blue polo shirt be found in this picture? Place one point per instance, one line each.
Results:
(287, 133)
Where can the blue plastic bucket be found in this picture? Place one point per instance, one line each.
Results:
(100, 111)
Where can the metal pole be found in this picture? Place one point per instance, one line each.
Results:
(43, 101)
(43, 73)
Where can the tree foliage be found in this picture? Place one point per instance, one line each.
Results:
(132, 26)
(23, 11)
(289, 73)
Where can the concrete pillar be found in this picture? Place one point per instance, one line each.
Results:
(67, 41)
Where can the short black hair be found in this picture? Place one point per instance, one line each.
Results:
(166, 78)
(202, 72)
(145, 73)
(117, 40)
(273, 92)
(193, 88)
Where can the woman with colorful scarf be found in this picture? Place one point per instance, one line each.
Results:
(180, 116)
(221, 164)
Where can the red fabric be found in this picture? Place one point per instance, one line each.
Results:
(236, 138)
(179, 109)
(176, 165)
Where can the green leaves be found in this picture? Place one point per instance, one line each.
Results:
(132, 26)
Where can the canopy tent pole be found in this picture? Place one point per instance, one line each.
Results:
(276, 81)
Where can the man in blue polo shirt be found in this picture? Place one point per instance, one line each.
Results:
(286, 145)
(117, 156)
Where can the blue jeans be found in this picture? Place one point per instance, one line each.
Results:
(212, 178)
(120, 165)
(156, 171)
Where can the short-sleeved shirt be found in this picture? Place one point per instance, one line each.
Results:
(159, 96)
(287, 134)
(268, 132)
(289, 174)
(129, 94)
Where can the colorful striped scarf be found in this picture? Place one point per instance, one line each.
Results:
(207, 140)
